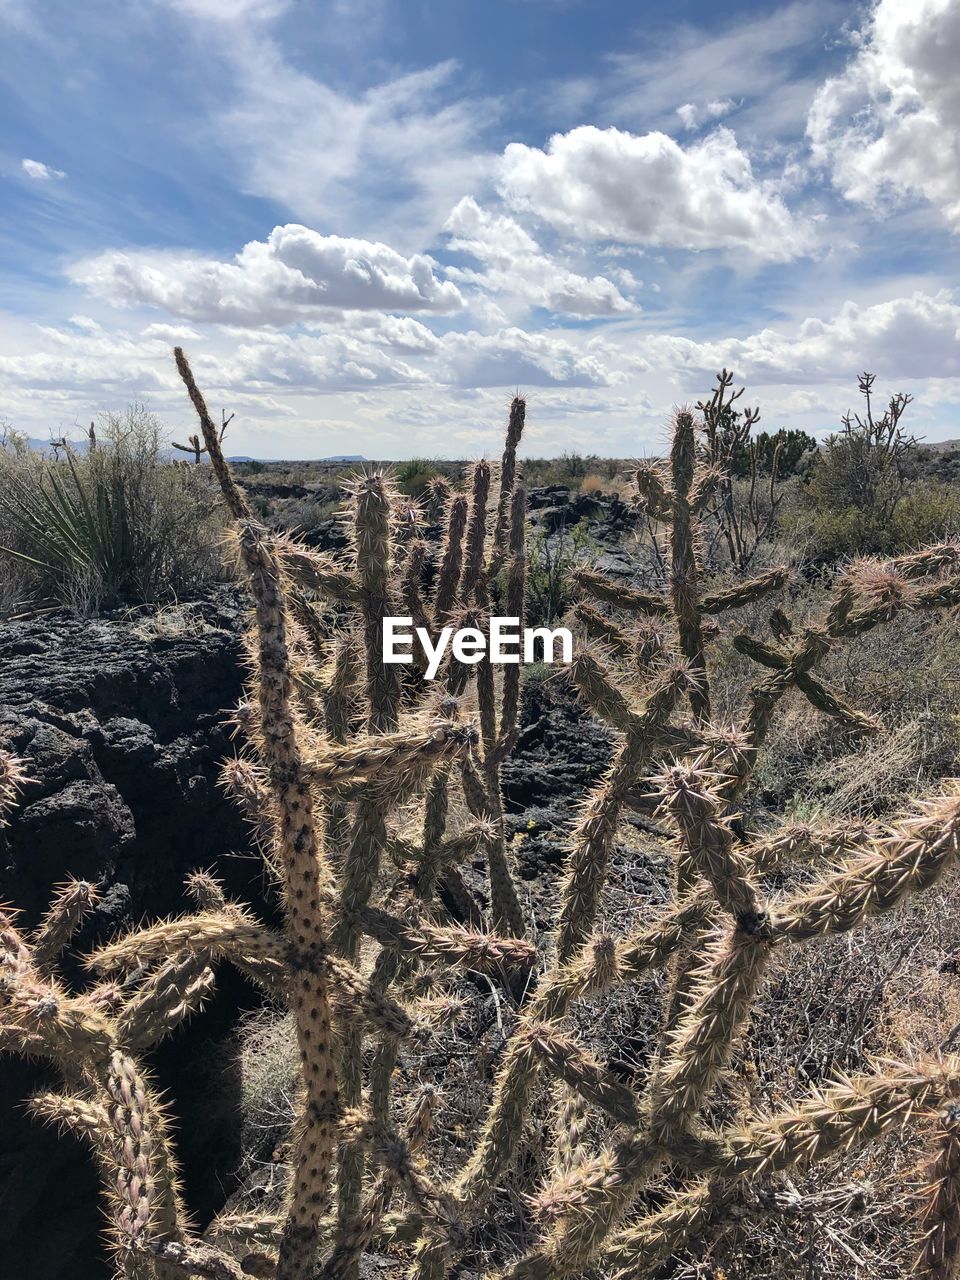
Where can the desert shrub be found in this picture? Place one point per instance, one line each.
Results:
(859, 479)
(592, 483)
(835, 533)
(788, 452)
(570, 469)
(748, 474)
(926, 511)
(414, 476)
(929, 512)
(118, 523)
(550, 560)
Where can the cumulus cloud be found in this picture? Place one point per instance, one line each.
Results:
(62, 362)
(515, 264)
(324, 362)
(903, 338)
(294, 274)
(393, 353)
(516, 357)
(887, 125)
(39, 171)
(647, 189)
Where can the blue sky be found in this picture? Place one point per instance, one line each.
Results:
(370, 221)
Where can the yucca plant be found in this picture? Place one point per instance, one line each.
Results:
(73, 525)
(119, 523)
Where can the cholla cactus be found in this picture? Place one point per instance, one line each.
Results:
(335, 744)
(95, 1040)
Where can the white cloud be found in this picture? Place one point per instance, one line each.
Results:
(294, 274)
(230, 10)
(404, 353)
(39, 171)
(174, 334)
(888, 125)
(693, 115)
(326, 362)
(647, 189)
(902, 339)
(515, 265)
(516, 357)
(395, 156)
(762, 61)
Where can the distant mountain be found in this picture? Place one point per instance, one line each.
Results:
(940, 446)
(44, 446)
(336, 457)
(80, 444)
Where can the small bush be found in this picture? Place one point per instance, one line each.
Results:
(929, 513)
(550, 560)
(119, 524)
(414, 476)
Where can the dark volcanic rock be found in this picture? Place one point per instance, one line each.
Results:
(554, 507)
(326, 535)
(560, 754)
(120, 721)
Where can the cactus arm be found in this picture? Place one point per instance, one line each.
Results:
(939, 1256)
(347, 1254)
(908, 860)
(72, 901)
(473, 580)
(609, 591)
(213, 934)
(379, 758)
(581, 1072)
(304, 887)
(604, 631)
(465, 948)
(451, 564)
(515, 595)
(303, 872)
(744, 592)
(638, 1250)
(684, 570)
(236, 502)
(317, 572)
(597, 687)
(653, 495)
(508, 470)
(840, 1117)
(165, 1000)
(718, 1001)
(596, 830)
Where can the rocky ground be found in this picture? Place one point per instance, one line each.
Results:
(122, 721)
(551, 508)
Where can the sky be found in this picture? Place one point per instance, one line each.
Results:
(369, 222)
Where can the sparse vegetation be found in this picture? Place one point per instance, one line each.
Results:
(861, 477)
(117, 523)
